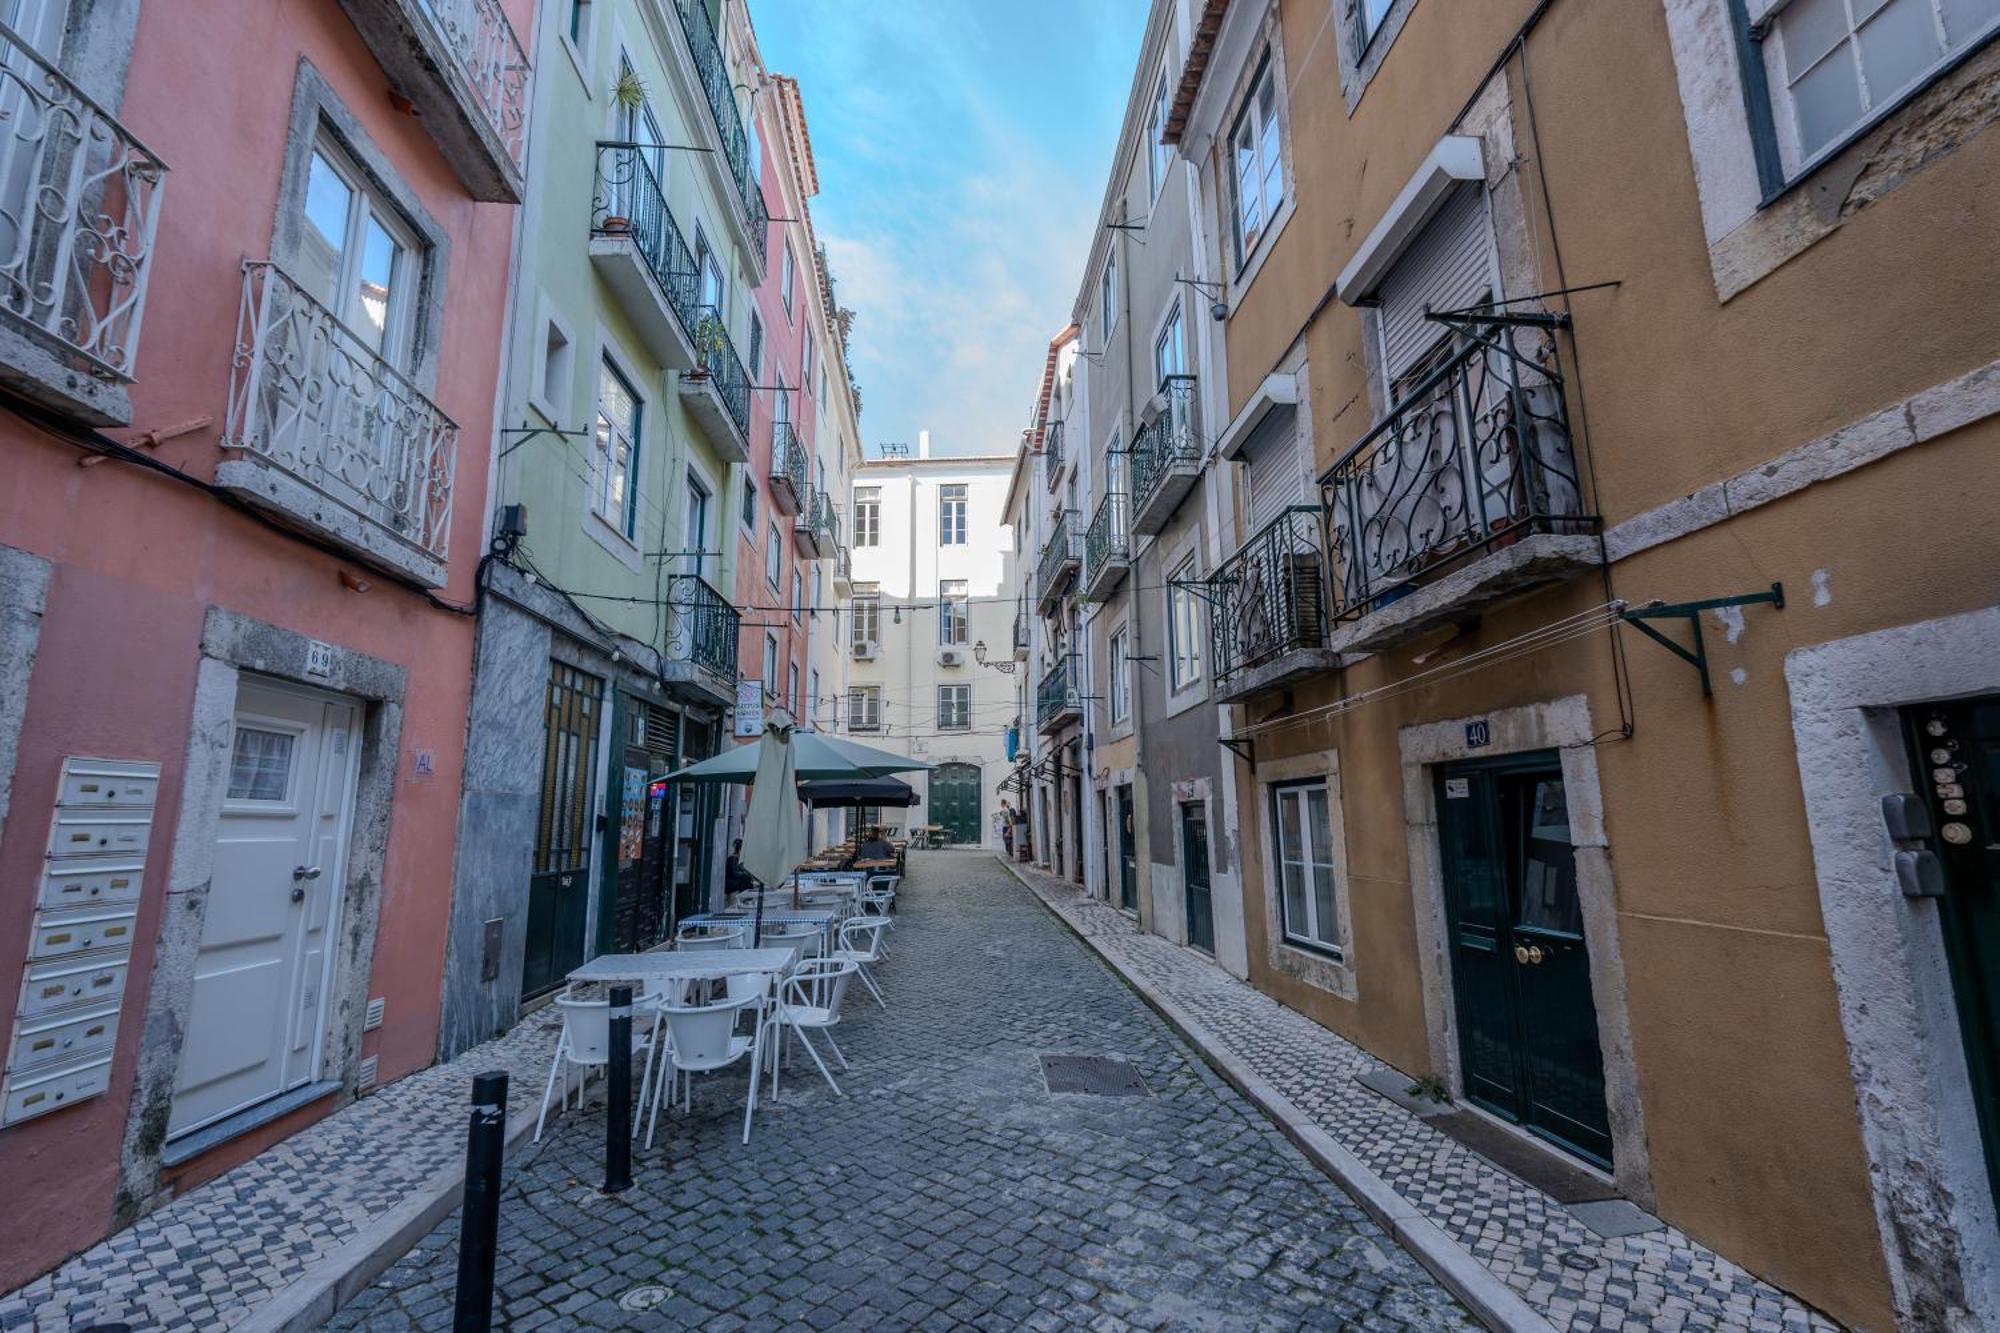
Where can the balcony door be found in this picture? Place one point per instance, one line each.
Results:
(356, 257)
(696, 531)
(39, 23)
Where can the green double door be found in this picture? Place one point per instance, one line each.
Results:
(955, 800)
(1527, 1028)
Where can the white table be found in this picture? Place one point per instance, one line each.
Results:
(690, 964)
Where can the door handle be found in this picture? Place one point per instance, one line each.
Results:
(1535, 954)
(1521, 954)
(298, 894)
(1529, 955)
(305, 872)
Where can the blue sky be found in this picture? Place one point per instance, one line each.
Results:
(962, 148)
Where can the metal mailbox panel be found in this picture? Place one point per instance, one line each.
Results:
(101, 833)
(82, 885)
(57, 985)
(65, 1037)
(109, 782)
(78, 934)
(53, 1089)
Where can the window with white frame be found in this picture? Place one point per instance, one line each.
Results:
(798, 595)
(792, 691)
(750, 507)
(954, 707)
(755, 358)
(1367, 21)
(710, 288)
(813, 697)
(819, 589)
(1107, 298)
(614, 492)
(1183, 627)
(951, 515)
(1170, 349)
(864, 708)
(1160, 154)
(1834, 66)
(1308, 897)
(356, 257)
(788, 284)
(806, 364)
(1121, 685)
(770, 665)
(774, 552)
(954, 611)
(1257, 166)
(867, 516)
(867, 617)
(557, 360)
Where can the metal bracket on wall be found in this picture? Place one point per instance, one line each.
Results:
(1691, 612)
(1243, 747)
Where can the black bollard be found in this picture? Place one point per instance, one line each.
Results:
(479, 1226)
(618, 1096)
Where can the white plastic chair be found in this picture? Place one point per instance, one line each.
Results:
(861, 944)
(585, 1044)
(809, 1001)
(703, 1038)
(801, 935)
(710, 937)
(657, 992)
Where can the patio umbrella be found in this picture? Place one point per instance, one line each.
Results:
(832, 793)
(775, 829)
(815, 754)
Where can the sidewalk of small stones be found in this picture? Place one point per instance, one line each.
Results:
(1660, 1281)
(948, 1187)
(223, 1251)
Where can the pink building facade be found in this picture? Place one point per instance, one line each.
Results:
(238, 550)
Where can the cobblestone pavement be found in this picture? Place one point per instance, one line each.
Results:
(210, 1258)
(948, 1188)
(1659, 1281)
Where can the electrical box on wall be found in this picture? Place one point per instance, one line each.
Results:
(80, 950)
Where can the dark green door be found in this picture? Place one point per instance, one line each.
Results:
(955, 801)
(1128, 853)
(559, 882)
(1194, 874)
(1520, 968)
(1957, 758)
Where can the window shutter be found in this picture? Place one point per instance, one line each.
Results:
(1276, 479)
(1447, 267)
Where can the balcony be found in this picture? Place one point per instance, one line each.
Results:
(1058, 701)
(717, 390)
(1052, 455)
(1166, 455)
(332, 438)
(712, 72)
(698, 659)
(1107, 548)
(1061, 559)
(79, 203)
(1267, 608)
(465, 73)
(788, 468)
(1466, 494)
(816, 530)
(639, 250)
(843, 571)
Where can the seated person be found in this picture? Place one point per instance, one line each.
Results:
(875, 847)
(735, 879)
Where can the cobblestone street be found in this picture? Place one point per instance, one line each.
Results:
(948, 1188)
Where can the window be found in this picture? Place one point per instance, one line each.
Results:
(770, 665)
(864, 708)
(1368, 16)
(954, 707)
(867, 516)
(954, 611)
(806, 363)
(1170, 352)
(756, 359)
(750, 507)
(579, 23)
(792, 692)
(697, 525)
(1832, 66)
(1160, 154)
(1307, 902)
(356, 257)
(951, 515)
(614, 495)
(260, 765)
(790, 281)
(812, 699)
(1183, 627)
(818, 589)
(710, 286)
(1121, 687)
(1107, 299)
(1257, 167)
(798, 594)
(819, 386)
(867, 618)
(774, 552)
(557, 356)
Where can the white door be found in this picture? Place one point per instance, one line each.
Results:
(257, 1017)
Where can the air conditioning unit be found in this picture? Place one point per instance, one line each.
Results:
(865, 652)
(951, 657)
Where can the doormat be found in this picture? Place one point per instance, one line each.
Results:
(1096, 1075)
(1544, 1168)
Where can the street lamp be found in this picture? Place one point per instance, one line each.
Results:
(979, 656)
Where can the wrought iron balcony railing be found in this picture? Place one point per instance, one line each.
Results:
(788, 467)
(1107, 543)
(1269, 598)
(1475, 456)
(629, 202)
(702, 626)
(79, 205)
(1060, 558)
(1058, 697)
(494, 62)
(713, 72)
(1171, 441)
(308, 396)
(1052, 454)
(716, 352)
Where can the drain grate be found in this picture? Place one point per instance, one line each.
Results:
(1097, 1075)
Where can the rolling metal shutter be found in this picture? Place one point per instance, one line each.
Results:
(1448, 266)
(1277, 478)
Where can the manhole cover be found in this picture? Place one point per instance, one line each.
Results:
(1097, 1075)
(645, 1298)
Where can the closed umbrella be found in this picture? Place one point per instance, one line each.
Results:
(774, 832)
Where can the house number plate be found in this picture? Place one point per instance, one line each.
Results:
(1478, 735)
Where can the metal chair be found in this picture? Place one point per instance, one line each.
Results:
(809, 1001)
(585, 1044)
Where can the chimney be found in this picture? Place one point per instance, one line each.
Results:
(923, 444)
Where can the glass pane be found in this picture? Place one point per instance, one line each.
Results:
(1548, 880)
(1828, 101)
(1811, 28)
(260, 765)
(380, 259)
(328, 199)
(1966, 19)
(1326, 916)
(1897, 46)
(1291, 864)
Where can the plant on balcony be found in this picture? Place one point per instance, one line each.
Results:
(628, 89)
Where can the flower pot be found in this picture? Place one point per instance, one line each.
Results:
(615, 225)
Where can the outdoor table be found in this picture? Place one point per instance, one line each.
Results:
(695, 965)
(773, 916)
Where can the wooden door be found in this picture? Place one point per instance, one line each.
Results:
(1128, 853)
(1194, 875)
(955, 800)
(559, 885)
